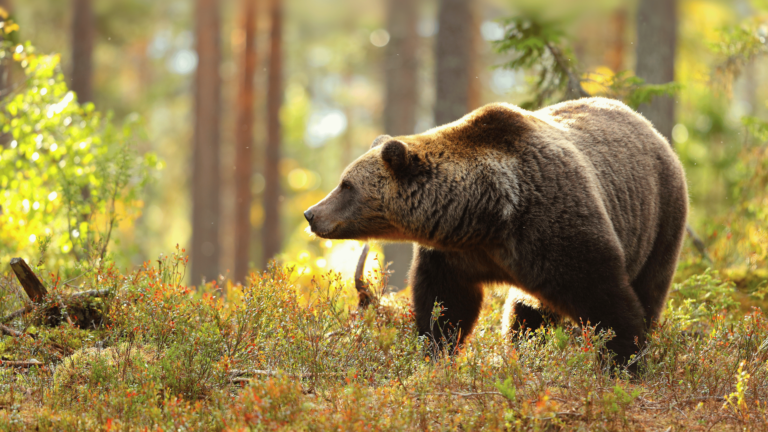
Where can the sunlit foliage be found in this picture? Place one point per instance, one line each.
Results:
(541, 46)
(69, 173)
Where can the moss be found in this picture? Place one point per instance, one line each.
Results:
(94, 366)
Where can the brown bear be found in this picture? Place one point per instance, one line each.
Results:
(582, 205)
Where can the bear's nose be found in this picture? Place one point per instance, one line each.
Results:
(308, 215)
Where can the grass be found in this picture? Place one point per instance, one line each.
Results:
(275, 356)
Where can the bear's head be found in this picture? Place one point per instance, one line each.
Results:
(367, 203)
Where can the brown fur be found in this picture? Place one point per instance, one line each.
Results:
(582, 205)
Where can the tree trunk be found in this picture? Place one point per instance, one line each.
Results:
(614, 54)
(401, 100)
(6, 68)
(271, 228)
(205, 170)
(83, 35)
(656, 46)
(474, 86)
(453, 59)
(244, 137)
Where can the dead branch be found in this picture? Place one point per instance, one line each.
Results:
(706, 398)
(91, 293)
(698, 243)
(459, 394)
(29, 280)
(9, 331)
(16, 314)
(363, 291)
(574, 90)
(20, 364)
(239, 375)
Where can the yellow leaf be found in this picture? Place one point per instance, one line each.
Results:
(3, 13)
(11, 27)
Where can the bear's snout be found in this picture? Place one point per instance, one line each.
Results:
(319, 222)
(308, 215)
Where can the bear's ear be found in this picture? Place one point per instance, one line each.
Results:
(380, 140)
(395, 155)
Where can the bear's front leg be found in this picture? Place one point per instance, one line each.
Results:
(448, 278)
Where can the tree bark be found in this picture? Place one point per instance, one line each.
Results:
(401, 65)
(614, 55)
(205, 169)
(6, 71)
(244, 137)
(83, 35)
(656, 47)
(401, 100)
(271, 235)
(474, 87)
(453, 57)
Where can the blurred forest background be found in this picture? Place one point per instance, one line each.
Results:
(254, 107)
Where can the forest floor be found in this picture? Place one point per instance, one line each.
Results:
(276, 356)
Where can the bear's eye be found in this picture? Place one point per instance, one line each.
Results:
(346, 185)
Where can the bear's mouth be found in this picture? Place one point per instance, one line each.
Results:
(322, 234)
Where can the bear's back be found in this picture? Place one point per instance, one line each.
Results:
(639, 176)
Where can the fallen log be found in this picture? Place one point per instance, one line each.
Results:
(77, 295)
(29, 280)
(72, 308)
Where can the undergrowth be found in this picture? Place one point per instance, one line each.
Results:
(263, 357)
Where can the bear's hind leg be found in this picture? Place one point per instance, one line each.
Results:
(525, 317)
(652, 283)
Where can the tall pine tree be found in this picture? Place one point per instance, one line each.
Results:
(401, 100)
(656, 47)
(205, 170)
(244, 142)
(271, 235)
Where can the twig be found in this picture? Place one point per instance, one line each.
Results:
(21, 364)
(9, 331)
(698, 243)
